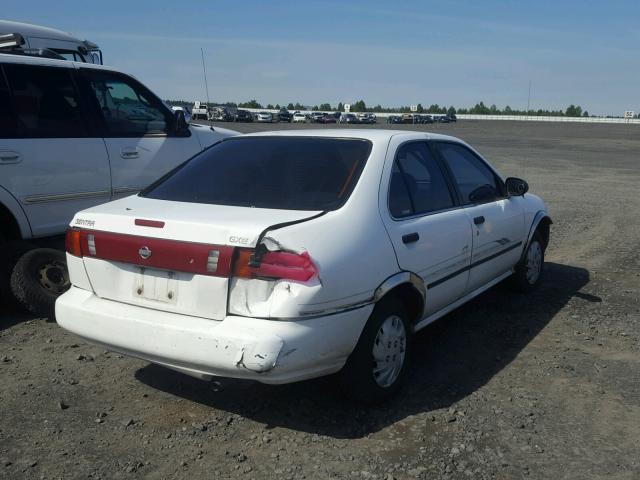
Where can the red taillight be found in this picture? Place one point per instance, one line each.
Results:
(276, 265)
(73, 242)
(199, 258)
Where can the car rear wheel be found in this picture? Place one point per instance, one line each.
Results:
(39, 278)
(377, 367)
(528, 272)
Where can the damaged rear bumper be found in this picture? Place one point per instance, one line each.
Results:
(270, 351)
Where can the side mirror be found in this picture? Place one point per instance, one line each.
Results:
(180, 122)
(516, 187)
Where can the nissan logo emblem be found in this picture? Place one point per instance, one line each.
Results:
(144, 253)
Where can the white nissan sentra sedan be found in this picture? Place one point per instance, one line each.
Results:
(283, 256)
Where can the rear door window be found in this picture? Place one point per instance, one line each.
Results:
(46, 102)
(400, 204)
(290, 173)
(418, 178)
(8, 124)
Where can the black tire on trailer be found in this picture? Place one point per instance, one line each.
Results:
(38, 279)
(377, 367)
(12, 251)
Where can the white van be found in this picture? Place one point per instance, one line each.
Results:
(74, 135)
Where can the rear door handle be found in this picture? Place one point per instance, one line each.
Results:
(478, 220)
(127, 153)
(10, 157)
(410, 238)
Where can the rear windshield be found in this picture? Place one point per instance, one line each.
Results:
(288, 173)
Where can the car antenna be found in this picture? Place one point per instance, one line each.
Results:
(204, 71)
(206, 84)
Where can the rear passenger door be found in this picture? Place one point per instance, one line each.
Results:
(137, 130)
(497, 220)
(431, 235)
(50, 159)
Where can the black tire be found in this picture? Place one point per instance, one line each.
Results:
(357, 378)
(38, 279)
(13, 250)
(528, 272)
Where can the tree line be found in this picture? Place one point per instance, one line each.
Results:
(360, 106)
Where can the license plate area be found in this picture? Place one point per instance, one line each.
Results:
(156, 285)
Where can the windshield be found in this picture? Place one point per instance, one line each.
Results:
(288, 173)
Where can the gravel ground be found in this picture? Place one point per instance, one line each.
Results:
(545, 386)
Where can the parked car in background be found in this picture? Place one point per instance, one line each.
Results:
(284, 115)
(264, 117)
(394, 119)
(367, 118)
(349, 118)
(243, 116)
(222, 113)
(200, 111)
(452, 117)
(72, 136)
(332, 117)
(316, 117)
(290, 279)
(443, 119)
(299, 117)
(408, 118)
(329, 118)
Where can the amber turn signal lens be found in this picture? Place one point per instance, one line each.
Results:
(72, 242)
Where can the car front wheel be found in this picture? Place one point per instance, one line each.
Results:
(528, 272)
(377, 367)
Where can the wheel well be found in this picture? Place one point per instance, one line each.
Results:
(544, 228)
(10, 229)
(411, 298)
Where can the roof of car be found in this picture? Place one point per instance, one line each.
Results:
(30, 60)
(29, 30)
(375, 135)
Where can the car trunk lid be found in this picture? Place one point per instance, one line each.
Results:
(170, 256)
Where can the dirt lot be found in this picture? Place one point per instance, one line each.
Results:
(545, 386)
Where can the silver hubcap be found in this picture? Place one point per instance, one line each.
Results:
(534, 262)
(388, 351)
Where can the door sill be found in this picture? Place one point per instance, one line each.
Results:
(452, 306)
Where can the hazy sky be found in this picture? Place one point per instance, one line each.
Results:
(387, 52)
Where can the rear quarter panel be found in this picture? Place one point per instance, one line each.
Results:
(349, 246)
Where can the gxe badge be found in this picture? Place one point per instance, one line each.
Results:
(144, 253)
